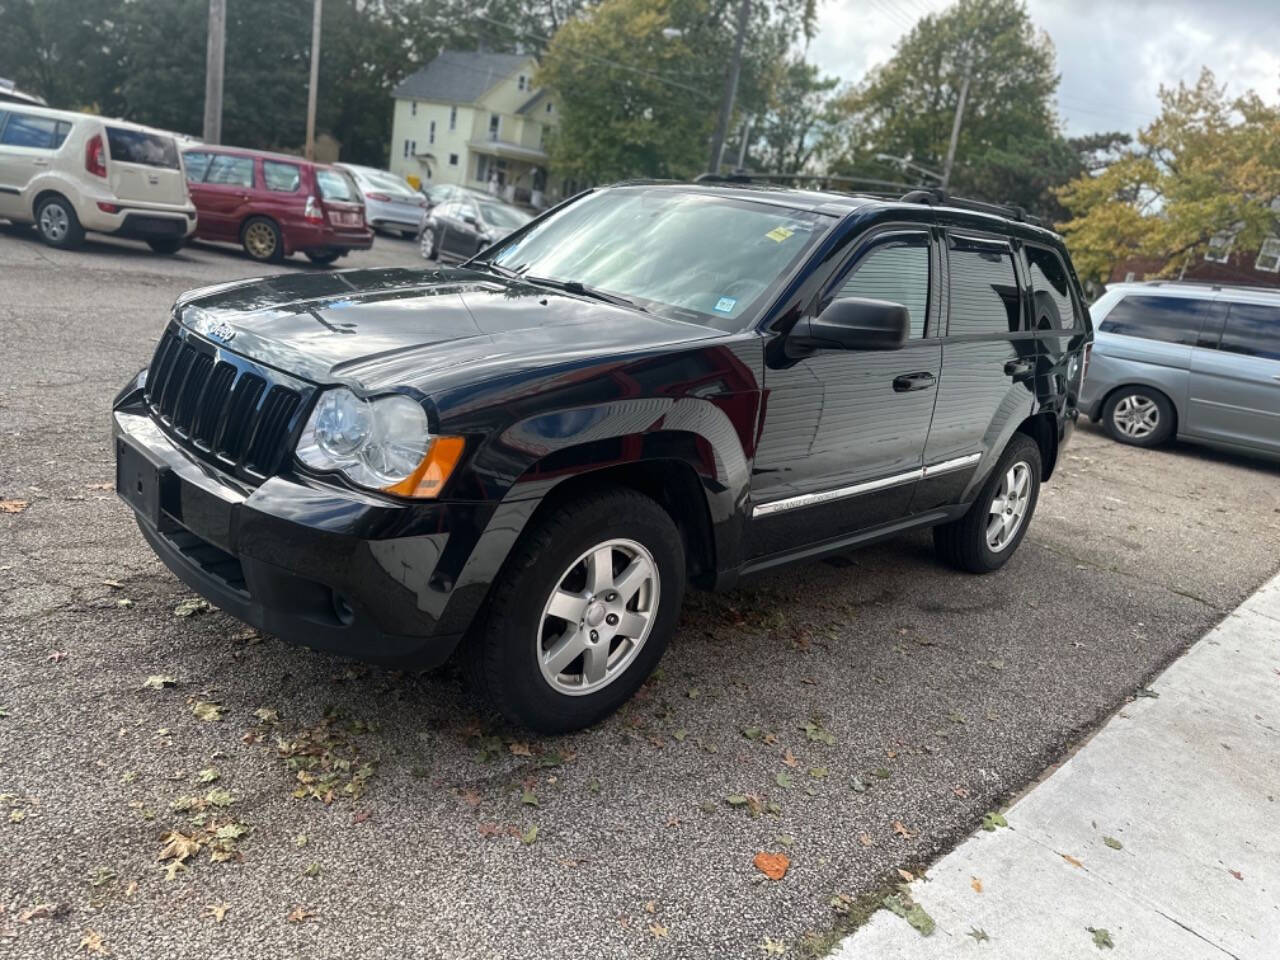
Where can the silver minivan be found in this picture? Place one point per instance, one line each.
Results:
(1195, 361)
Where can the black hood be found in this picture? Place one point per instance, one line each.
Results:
(382, 328)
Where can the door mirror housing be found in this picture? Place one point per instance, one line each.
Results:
(470, 220)
(852, 323)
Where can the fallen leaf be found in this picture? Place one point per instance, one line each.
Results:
(298, 915)
(1113, 843)
(91, 942)
(178, 846)
(772, 865)
(902, 830)
(789, 758)
(208, 710)
(191, 606)
(1237, 874)
(58, 656)
(113, 584)
(658, 930)
(865, 840)
(910, 911)
(218, 797)
(171, 871)
(15, 506)
(1072, 860)
(267, 714)
(124, 603)
(992, 820)
(978, 934)
(783, 779)
(1145, 692)
(360, 816)
(1101, 938)
(529, 799)
(158, 681)
(961, 792)
(519, 749)
(906, 875)
(680, 734)
(530, 835)
(818, 773)
(43, 911)
(976, 884)
(217, 911)
(208, 775)
(313, 869)
(773, 948)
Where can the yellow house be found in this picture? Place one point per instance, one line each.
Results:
(474, 119)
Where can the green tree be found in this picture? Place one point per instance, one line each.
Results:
(1009, 147)
(798, 119)
(1208, 166)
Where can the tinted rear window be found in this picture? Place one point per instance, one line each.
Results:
(984, 288)
(1051, 291)
(1167, 319)
(336, 185)
(1252, 329)
(138, 146)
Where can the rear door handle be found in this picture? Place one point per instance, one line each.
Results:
(1019, 369)
(913, 381)
(40, 162)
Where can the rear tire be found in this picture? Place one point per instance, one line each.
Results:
(323, 259)
(261, 240)
(428, 244)
(57, 223)
(624, 617)
(165, 245)
(1138, 416)
(984, 539)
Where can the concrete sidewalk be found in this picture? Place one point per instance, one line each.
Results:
(1171, 818)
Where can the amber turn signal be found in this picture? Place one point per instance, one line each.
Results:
(428, 480)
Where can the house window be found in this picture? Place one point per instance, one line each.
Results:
(1219, 247)
(453, 118)
(548, 106)
(1269, 256)
(413, 108)
(520, 82)
(453, 159)
(431, 132)
(495, 124)
(406, 148)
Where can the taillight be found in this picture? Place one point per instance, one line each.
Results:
(108, 207)
(313, 213)
(95, 157)
(377, 196)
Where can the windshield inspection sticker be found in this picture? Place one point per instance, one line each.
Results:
(726, 305)
(778, 234)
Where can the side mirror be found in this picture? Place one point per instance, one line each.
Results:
(470, 220)
(852, 324)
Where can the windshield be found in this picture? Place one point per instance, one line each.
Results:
(506, 218)
(688, 255)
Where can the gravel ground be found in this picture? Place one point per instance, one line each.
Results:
(930, 697)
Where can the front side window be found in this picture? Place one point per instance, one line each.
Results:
(197, 164)
(1252, 329)
(984, 288)
(1167, 319)
(139, 146)
(281, 177)
(688, 255)
(230, 171)
(27, 130)
(896, 269)
(1052, 307)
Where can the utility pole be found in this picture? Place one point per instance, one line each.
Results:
(955, 124)
(214, 58)
(730, 87)
(742, 144)
(315, 80)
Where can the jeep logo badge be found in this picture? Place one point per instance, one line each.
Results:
(222, 332)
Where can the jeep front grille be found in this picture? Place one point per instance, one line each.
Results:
(221, 407)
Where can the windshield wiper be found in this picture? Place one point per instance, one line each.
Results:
(574, 286)
(498, 269)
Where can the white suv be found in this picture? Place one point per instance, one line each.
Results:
(72, 172)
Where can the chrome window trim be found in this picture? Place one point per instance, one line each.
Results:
(869, 486)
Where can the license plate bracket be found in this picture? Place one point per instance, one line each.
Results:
(143, 482)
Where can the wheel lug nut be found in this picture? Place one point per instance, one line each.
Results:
(611, 597)
(595, 637)
(611, 619)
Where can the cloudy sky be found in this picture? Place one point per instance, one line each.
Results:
(1112, 54)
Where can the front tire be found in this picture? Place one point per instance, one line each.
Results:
(581, 613)
(984, 539)
(1138, 416)
(261, 240)
(57, 223)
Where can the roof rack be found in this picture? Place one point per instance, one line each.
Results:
(1211, 284)
(938, 197)
(888, 187)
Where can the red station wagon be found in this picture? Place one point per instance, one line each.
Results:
(275, 205)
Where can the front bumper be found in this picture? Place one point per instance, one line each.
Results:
(313, 565)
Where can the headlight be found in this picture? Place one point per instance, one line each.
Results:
(383, 444)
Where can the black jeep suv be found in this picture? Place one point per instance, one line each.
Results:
(649, 385)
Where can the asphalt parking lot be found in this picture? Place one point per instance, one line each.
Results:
(862, 714)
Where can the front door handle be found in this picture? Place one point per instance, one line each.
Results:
(40, 162)
(1019, 369)
(913, 381)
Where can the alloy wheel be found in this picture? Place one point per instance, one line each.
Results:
(598, 617)
(1009, 506)
(1136, 416)
(428, 244)
(260, 240)
(54, 222)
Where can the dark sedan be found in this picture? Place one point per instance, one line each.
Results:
(459, 229)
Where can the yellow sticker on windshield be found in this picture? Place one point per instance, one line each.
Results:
(778, 234)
